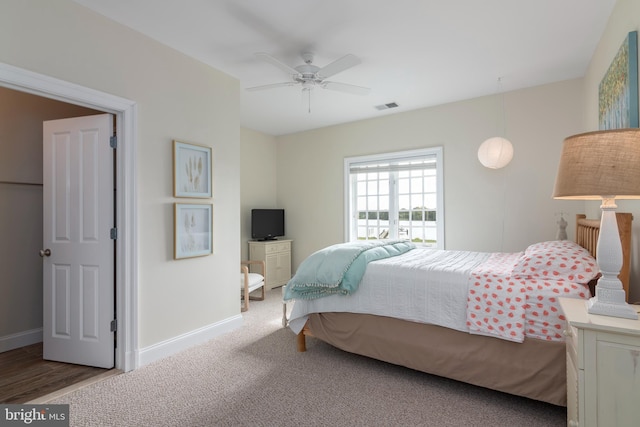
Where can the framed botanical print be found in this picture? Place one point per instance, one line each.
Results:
(193, 230)
(191, 170)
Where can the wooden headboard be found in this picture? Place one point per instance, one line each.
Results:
(587, 231)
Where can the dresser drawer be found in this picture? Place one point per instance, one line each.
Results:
(278, 247)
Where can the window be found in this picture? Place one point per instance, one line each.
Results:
(395, 196)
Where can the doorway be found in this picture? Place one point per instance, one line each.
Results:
(126, 258)
(26, 377)
(23, 372)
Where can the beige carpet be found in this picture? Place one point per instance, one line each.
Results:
(255, 377)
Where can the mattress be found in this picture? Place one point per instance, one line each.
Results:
(423, 285)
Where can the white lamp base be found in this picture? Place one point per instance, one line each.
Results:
(613, 309)
(610, 296)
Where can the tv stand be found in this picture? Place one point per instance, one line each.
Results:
(277, 256)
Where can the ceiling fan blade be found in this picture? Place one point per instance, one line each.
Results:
(270, 86)
(284, 67)
(344, 87)
(338, 66)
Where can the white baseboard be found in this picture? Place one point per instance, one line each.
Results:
(182, 342)
(21, 339)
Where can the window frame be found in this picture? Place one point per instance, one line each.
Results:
(350, 232)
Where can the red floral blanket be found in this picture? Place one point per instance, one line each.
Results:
(515, 295)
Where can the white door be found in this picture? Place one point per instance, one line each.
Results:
(78, 251)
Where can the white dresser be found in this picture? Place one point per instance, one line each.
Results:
(603, 367)
(277, 256)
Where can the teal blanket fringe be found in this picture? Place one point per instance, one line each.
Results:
(338, 269)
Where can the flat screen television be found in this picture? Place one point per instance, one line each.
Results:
(267, 224)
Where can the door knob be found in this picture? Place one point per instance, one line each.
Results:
(45, 252)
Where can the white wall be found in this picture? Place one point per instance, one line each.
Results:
(258, 179)
(177, 98)
(624, 18)
(485, 210)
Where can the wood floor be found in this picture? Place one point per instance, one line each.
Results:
(25, 376)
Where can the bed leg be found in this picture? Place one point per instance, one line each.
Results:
(284, 309)
(301, 341)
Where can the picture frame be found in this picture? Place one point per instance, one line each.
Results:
(192, 170)
(193, 230)
(618, 89)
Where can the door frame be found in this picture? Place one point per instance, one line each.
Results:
(126, 274)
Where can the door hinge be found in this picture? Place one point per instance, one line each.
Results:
(114, 233)
(114, 325)
(113, 142)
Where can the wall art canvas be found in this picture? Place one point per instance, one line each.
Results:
(191, 170)
(618, 90)
(193, 230)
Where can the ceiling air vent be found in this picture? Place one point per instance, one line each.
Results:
(386, 106)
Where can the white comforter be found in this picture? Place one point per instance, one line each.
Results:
(422, 285)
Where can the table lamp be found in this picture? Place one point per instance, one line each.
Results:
(603, 165)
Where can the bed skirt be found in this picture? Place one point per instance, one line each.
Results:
(534, 369)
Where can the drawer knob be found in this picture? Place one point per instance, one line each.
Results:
(573, 423)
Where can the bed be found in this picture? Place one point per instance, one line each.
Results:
(459, 331)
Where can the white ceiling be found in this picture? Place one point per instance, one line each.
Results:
(417, 53)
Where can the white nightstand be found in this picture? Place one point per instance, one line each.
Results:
(603, 367)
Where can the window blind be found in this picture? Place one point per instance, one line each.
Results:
(401, 164)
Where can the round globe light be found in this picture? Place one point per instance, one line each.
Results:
(495, 153)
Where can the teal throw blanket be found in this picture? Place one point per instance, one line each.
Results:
(338, 269)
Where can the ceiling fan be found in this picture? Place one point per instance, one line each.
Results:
(310, 76)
